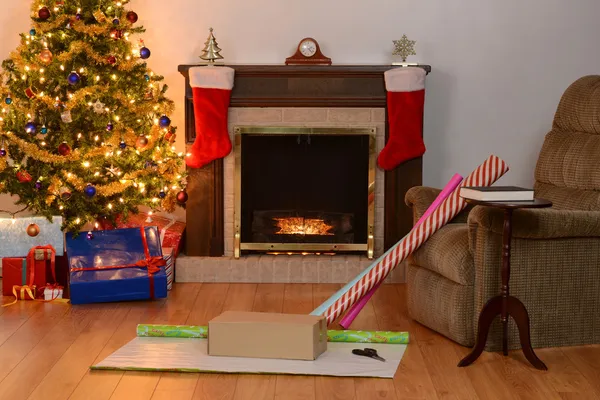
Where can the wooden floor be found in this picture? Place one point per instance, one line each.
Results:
(46, 350)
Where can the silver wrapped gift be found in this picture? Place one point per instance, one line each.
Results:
(15, 242)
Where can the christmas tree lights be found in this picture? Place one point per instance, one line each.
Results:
(84, 127)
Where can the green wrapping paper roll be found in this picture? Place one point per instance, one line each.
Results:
(201, 332)
(368, 337)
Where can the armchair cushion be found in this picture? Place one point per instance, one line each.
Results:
(545, 223)
(447, 253)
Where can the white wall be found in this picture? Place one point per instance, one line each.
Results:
(499, 67)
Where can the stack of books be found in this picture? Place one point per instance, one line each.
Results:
(496, 193)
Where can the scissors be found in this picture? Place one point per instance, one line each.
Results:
(371, 353)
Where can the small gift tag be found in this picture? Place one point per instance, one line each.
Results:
(66, 116)
(40, 255)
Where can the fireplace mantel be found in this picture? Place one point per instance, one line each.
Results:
(292, 86)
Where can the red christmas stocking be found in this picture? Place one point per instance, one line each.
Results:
(405, 99)
(211, 88)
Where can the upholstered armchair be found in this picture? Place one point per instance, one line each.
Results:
(555, 251)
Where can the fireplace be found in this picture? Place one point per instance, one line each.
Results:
(304, 190)
(335, 97)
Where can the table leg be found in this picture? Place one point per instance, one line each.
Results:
(519, 313)
(491, 309)
(506, 238)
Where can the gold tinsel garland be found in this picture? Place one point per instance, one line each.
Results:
(3, 163)
(75, 48)
(82, 47)
(36, 153)
(166, 107)
(53, 188)
(76, 25)
(101, 190)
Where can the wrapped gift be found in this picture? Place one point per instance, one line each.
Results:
(170, 230)
(14, 273)
(116, 265)
(15, 241)
(34, 271)
(169, 256)
(53, 292)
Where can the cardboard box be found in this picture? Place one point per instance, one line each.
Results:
(267, 335)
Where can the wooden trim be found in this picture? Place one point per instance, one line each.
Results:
(292, 86)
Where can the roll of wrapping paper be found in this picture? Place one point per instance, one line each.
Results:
(357, 308)
(485, 175)
(201, 332)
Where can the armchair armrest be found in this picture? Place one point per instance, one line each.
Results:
(419, 198)
(547, 223)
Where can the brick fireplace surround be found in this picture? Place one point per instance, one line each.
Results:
(307, 96)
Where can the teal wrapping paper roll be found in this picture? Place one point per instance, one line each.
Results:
(201, 332)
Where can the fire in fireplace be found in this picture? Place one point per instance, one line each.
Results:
(302, 190)
(302, 226)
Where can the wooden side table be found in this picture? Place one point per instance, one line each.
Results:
(504, 304)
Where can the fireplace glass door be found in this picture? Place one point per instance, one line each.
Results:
(304, 190)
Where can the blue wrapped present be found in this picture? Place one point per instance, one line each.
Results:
(116, 265)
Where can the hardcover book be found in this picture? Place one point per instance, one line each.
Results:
(497, 193)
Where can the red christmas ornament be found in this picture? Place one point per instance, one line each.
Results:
(170, 137)
(182, 197)
(44, 13)
(116, 34)
(112, 60)
(64, 149)
(132, 17)
(30, 93)
(23, 176)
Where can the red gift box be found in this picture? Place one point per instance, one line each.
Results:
(33, 271)
(169, 229)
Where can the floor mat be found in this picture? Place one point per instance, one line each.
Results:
(190, 355)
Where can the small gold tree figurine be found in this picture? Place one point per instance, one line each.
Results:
(211, 49)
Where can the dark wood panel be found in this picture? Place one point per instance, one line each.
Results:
(292, 86)
(204, 211)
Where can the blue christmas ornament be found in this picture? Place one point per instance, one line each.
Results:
(78, 16)
(30, 127)
(109, 126)
(89, 235)
(122, 145)
(147, 78)
(38, 185)
(164, 121)
(116, 21)
(144, 53)
(44, 130)
(2, 152)
(32, 32)
(162, 194)
(8, 100)
(90, 190)
(74, 78)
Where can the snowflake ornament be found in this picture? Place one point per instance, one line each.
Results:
(98, 107)
(404, 48)
(113, 171)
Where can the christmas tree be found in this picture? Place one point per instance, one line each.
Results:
(84, 129)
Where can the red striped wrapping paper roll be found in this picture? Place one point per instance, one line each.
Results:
(485, 175)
